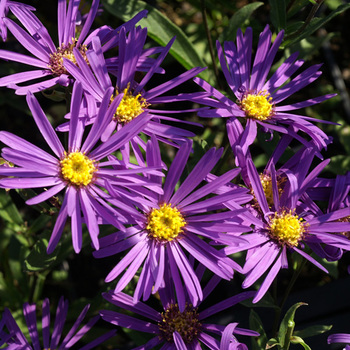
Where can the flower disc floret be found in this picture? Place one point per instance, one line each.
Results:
(65, 51)
(77, 169)
(287, 227)
(266, 183)
(345, 233)
(165, 223)
(257, 106)
(130, 107)
(185, 323)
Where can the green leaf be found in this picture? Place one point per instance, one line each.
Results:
(297, 6)
(316, 24)
(331, 266)
(38, 259)
(272, 343)
(8, 211)
(160, 29)
(56, 96)
(344, 136)
(278, 14)
(309, 46)
(298, 340)
(312, 331)
(293, 27)
(288, 322)
(256, 325)
(238, 19)
(333, 4)
(339, 164)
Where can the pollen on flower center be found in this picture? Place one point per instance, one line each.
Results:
(77, 169)
(65, 51)
(345, 233)
(287, 228)
(165, 223)
(267, 187)
(130, 107)
(185, 323)
(257, 106)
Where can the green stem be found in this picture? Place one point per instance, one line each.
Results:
(290, 329)
(38, 285)
(211, 50)
(68, 91)
(307, 21)
(290, 5)
(285, 297)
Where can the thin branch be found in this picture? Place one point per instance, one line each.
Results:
(211, 50)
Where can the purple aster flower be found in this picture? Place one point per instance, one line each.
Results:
(5, 6)
(80, 169)
(258, 98)
(176, 328)
(12, 336)
(166, 231)
(288, 223)
(340, 338)
(48, 56)
(95, 80)
(336, 193)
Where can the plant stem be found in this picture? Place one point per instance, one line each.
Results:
(211, 50)
(285, 297)
(307, 21)
(289, 334)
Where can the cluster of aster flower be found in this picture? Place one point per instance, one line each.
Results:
(171, 227)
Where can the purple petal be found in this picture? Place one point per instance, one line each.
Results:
(44, 126)
(123, 320)
(126, 302)
(312, 260)
(27, 41)
(88, 22)
(30, 317)
(268, 279)
(223, 305)
(37, 182)
(126, 261)
(23, 76)
(179, 343)
(175, 170)
(207, 255)
(177, 281)
(46, 194)
(202, 168)
(20, 144)
(61, 314)
(43, 85)
(260, 58)
(58, 228)
(192, 283)
(132, 269)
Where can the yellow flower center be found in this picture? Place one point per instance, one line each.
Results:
(266, 183)
(165, 223)
(257, 106)
(77, 169)
(287, 228)
(185, 323)
(130, 107)
(65, 51)
(345, 233)
(267, 187)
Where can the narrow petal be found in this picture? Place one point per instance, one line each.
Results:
(44, 126)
